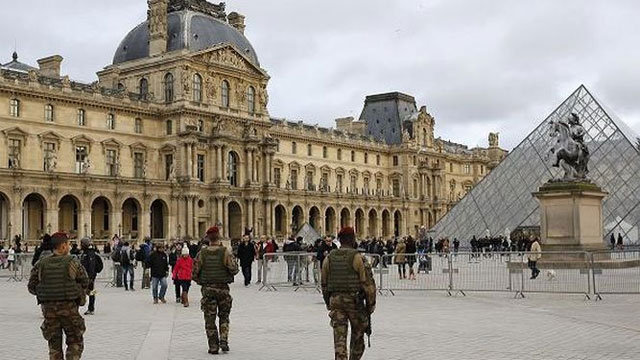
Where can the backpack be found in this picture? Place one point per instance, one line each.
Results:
(125, 257)
(92, 263)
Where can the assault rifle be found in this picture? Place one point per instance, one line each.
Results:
(362, 302)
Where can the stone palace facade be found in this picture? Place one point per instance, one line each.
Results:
(175, 136)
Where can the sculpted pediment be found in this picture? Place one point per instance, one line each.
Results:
(228, 55)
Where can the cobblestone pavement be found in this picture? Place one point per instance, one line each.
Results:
(287, 325)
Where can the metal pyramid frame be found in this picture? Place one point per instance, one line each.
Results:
(503, 200)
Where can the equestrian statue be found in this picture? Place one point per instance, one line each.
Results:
(569, 151)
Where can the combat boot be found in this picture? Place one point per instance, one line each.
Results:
(224, 346)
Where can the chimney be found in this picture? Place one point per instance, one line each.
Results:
(158, 29)
(50, 66)
(237, 21)
(344, 124)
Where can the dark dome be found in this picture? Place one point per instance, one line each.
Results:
(187, 30)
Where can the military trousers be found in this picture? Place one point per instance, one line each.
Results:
(345, 311)
(59, 318)
(216, 303)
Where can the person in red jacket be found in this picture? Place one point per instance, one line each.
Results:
(182, 274)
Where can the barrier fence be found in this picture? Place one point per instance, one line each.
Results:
(586, 273)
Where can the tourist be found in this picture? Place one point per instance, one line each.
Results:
(324, 248)
(75, 251)
(291, 246)
(261, 249)
(410, 250)
(534, 255)
(11, 259)
(174, 253)
(143, 257)
(93, 265)
(106, 249)
(44, 250)
(612, 241)
(400, 259)
(272, 248)
(246, 255)
(158, 265)
(456, 245)
(182, 274)
(620, 243)
(126, 258)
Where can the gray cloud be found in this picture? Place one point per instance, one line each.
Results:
(479, 66)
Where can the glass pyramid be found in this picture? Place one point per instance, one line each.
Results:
(503, 200)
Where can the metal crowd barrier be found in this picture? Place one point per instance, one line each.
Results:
(615, 272)
(297, 270)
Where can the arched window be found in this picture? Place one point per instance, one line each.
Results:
(111, 121)
(15, 107)
(251, 100)
(225, 94)
(233, 165)
(169, 127)
(144, 88)
(197, 88)
(168, 88)
(48, 113)
(200, 126)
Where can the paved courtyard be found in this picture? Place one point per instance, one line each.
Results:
(287, 325)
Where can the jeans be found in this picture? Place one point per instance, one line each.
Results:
(176, 284)
(127, 269)
(246, 272)
(92, 296)
(534, 269)
(154, 287)
(262, 270)
(292, 274)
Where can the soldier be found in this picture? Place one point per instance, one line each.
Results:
(214, 268)
(60, 284)
(349, 292)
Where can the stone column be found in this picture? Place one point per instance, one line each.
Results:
(225, 219)
(270, 170)
(194, 161)
(145, 224)
(187, 167)
(188, 215)
(196, 216)
(249, 159)
(378, 222)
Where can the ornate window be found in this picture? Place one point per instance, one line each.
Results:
(168, 88)
(467, 169)
(415, 188)
(378, 159)
(366, 185)
(200, 167)
(277, 177)
(232, 168)
(81, 158)
(353, 156)
(48, 113)
(396, 187)
(339, 154)
(200, 126)
(294, 147)
(112, 162)
(324, 152)
(14, 105)
(251, 100)
(309, 150)
(395, 160)
(353, 184)
(197, 88)
(138, 165)
(82, 119)
(169, 127)
(138, 126)
(294, 179)
(310, 186)
(144, 88)
(339, 182)
(366, 158)
(378, 184)
(111, 121)
(225, 94)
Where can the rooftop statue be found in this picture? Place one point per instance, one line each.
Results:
(569, 151)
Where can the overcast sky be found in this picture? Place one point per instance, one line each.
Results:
(478, 66)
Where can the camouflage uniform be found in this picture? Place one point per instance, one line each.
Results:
(61, 316)
(216, 300)
(349, 308)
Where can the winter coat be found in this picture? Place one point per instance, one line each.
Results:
(159, 264)
(246, 253)
(182, 269)
(400, 251)
(536, 252)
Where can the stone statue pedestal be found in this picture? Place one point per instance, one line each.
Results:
(570, 219)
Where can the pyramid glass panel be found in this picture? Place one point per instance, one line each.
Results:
(503, 198)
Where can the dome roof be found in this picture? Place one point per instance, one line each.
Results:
(187, 30)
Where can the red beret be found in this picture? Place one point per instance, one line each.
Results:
(346, 231)
(213, 230)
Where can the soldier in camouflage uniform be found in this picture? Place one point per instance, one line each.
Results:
(60, 284)
(214, 269)
(349, 292)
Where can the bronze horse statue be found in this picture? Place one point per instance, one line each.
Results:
(569, 151)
